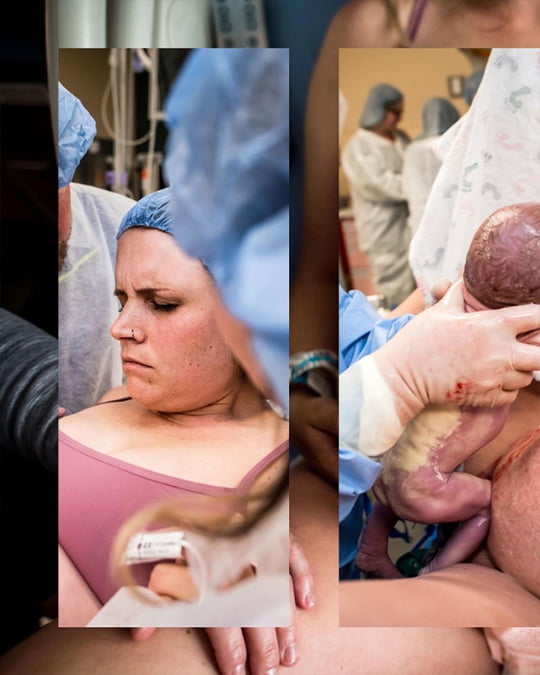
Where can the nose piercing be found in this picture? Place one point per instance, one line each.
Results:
(132, 334)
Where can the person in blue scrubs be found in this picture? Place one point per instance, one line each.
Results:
(362, 331)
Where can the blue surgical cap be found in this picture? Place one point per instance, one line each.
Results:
(150, 211)
(375, 108)
(471, 85)
(228, 167)
(438, 115)
(76, 131)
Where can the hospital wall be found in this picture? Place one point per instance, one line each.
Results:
(85, 72)
(419, 73)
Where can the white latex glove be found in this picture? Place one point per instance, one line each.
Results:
(443, 355)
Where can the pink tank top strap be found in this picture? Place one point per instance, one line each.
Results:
(416, 19)
(248, 480)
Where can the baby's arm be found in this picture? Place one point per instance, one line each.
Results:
(419, 478)
(419, 483)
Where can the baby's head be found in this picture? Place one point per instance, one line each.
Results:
(502, 266)
(502, 269)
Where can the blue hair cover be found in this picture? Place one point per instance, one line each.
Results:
(150, 211)
(228, 167)
(76, 131)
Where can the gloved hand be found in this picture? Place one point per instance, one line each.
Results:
(443, 355)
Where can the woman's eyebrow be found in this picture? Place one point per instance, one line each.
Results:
(144, 291)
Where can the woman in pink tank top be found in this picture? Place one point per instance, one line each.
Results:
(189, 426)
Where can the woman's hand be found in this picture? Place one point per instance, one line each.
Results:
(302, 581)
(314, 430)
(265, 649)
(518, 648)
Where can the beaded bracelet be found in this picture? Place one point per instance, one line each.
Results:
(303, 369)
(302, 362)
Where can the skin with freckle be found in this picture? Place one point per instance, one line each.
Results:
(419, 481)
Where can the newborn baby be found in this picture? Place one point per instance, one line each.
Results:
(419, 481)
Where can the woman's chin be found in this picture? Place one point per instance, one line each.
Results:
(142, 393)
(157, 402)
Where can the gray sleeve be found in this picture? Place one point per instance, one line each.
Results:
(28, 390)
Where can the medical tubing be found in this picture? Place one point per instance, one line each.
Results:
(199, 570)
(144, 58)
(125, 121)
(153, 108)
(113, 64)
(106, 122)
(28, 391)
(130, 102)
(118, 71)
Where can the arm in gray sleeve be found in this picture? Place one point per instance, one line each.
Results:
(28, 390)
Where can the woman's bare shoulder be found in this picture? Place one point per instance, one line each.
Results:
(367, 23)
(282, 427)
(278, 421)
(87, 425)
(114, 394)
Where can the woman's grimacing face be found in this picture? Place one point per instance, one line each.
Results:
(175, 359)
